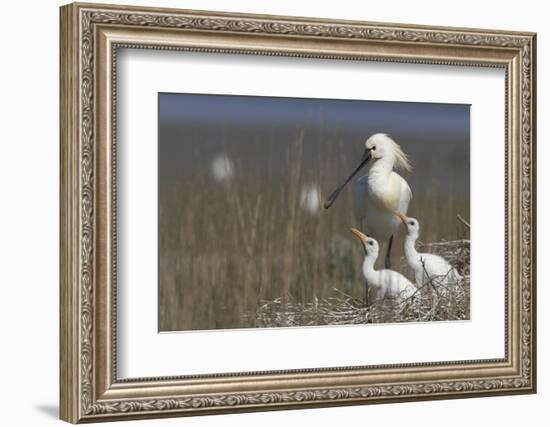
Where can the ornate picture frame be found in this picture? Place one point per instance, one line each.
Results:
(90, 37)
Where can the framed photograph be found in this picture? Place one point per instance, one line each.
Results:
(265, 212)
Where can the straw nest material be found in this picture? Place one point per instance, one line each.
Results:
(432, 302)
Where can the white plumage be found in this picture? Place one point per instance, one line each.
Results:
(426, 266)
(383, 284)
(381, 191)
(374, 199)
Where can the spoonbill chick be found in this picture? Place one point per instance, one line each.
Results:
(381, 192)
(383, 283)
(426, 266)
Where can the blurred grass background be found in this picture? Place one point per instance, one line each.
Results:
(241, 233)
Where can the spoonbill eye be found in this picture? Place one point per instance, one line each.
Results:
(374, 148)
(370, 243)
(411, 223)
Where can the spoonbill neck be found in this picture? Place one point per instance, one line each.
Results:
(381, 168)
(410, 250)
(368, 267)
(384, 187)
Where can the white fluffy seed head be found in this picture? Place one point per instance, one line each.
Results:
(221, 167)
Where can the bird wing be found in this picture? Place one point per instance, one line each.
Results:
(405, 197)
(396, 285)
(359, 199)
(438, 268)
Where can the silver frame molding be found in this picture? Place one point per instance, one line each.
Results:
(90, 37)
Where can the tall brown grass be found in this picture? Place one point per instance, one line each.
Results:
(226, 248)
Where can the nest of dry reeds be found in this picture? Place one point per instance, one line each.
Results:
(432, 302)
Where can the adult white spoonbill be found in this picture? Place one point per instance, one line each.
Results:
(383, 283)
(426, 266)
(381, 192)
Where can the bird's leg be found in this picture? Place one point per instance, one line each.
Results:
(388, 254)
(368, 319)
